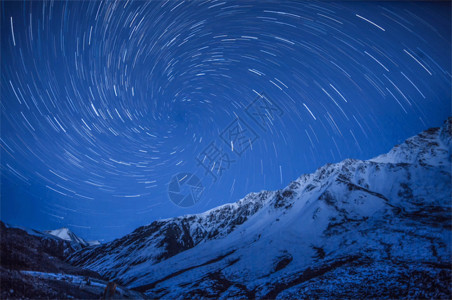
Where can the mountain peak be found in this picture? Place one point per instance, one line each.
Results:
(66, 234)
(430, 147)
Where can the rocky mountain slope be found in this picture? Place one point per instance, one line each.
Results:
(375, 228)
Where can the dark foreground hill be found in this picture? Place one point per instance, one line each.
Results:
(33, 266)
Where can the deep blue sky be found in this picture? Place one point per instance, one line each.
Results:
(103, 102)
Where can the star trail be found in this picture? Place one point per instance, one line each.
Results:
(103, 102)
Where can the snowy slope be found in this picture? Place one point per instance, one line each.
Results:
(378, 228)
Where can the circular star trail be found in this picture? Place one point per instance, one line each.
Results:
(103, 102)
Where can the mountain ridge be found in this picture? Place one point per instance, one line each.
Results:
(375, 212)
(62, 233)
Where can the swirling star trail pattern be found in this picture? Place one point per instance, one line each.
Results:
(104, 101)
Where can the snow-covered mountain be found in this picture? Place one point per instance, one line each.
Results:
(73, 242)
(375, 228)
(68, 235)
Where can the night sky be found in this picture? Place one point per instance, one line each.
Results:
(102, 103)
